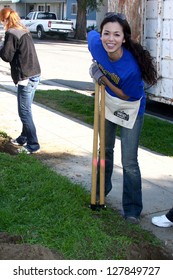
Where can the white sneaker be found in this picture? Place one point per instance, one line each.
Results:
(14, 142)
(24, 150)
(161, 221)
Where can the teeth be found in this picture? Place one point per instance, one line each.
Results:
(110, 45)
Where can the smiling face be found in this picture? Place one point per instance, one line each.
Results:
(112, 38)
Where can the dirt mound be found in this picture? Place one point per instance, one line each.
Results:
(11, 250)
(6, 146)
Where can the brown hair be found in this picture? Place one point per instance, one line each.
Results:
(12, 18)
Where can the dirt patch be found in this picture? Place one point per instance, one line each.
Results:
(13, 248)
(6, 146)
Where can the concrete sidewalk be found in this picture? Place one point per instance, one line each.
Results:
(71, 144)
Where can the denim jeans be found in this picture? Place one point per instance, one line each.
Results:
(169, 215)
(25, 96)
(132, 192)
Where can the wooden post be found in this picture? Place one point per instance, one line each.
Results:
(95, 146)
(102, 147)
(94, 204)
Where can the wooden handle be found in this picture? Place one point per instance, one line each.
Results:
(102, 147)
(95, 145)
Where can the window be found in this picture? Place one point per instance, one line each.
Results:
(29, 16)
(46, 16)
(47, 8)
(42, 8)
(74, 9)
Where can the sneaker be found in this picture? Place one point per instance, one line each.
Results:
(14, 142)
(132, 220)
(161, 221)
(26, 151)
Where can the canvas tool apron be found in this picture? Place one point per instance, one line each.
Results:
(121, 112)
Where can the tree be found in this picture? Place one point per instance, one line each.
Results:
(81, 18)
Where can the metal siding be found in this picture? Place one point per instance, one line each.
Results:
(168, 10)
(167, 49)
(151, 9)
(167, 29)
(158, 38)
(151, 28)
(166, 89)
(167, 65)
(151, 45)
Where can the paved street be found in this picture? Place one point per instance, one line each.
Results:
(65, 63)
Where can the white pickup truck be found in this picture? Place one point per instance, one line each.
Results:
(42, 23)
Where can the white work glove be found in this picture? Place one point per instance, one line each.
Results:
(96, 73)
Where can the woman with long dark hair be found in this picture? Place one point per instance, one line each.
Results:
(123, 66)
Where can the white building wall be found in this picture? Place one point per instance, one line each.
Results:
(158, 38)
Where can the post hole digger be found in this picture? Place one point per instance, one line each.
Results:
(99, 123)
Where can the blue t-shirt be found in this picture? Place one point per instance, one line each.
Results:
(123, 73)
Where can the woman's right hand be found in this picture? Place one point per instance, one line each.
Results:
(95, 72)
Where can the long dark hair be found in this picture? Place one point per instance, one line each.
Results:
(145, 60)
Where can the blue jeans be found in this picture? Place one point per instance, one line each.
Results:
(169, 215)
(132, 193)
(25, 96)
